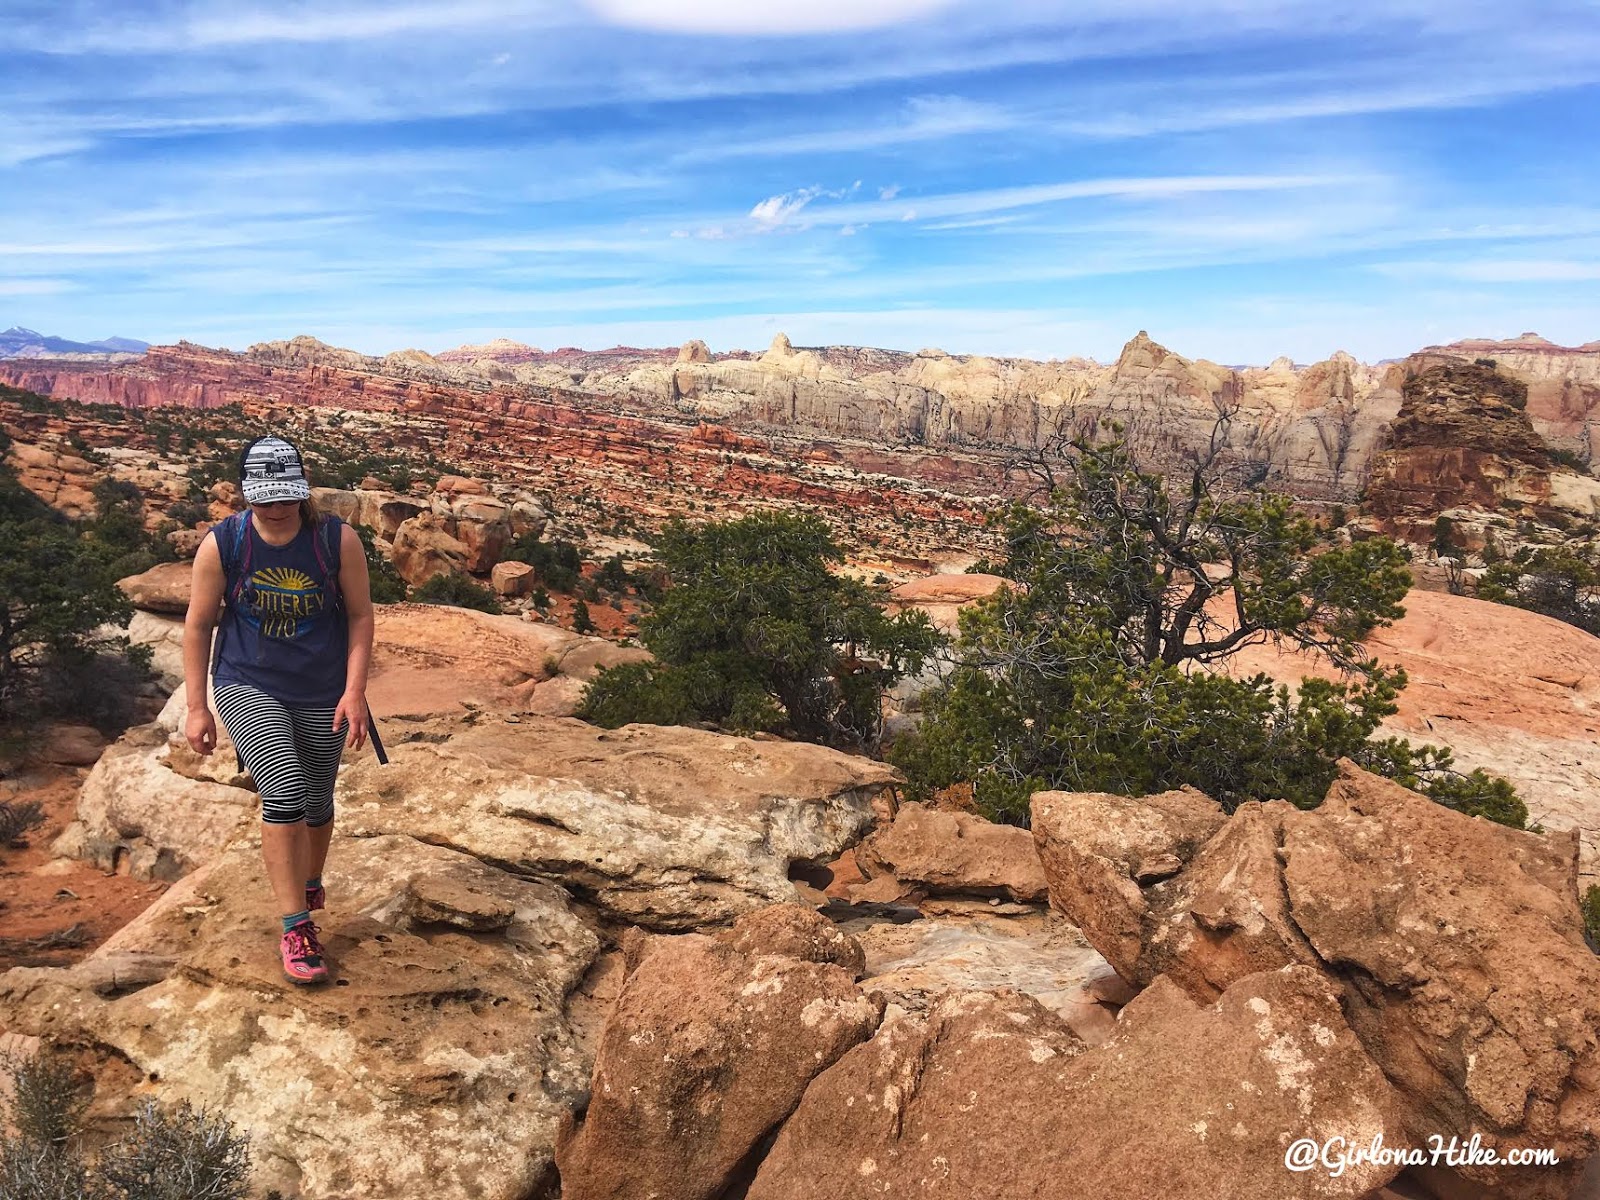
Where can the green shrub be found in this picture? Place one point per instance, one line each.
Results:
(613, 576)
(189, 513)
(582, 620)
(457, 591)
(1085, 676)
(58, 591)
(1558, 581)
(1591, 915)
(757, 633)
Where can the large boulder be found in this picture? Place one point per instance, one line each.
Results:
(708, 1049)
(1461, 949)
(1457, 943)
(1098, 850)
(425, 545)
(991, 1097)
(942, 852)
(513, 578)
(164, 588)
(439, 1064)
(151, 809)
(659, 826)
(483, 526)
(384, 512)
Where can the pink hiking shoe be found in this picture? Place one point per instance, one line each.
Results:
(302, 955)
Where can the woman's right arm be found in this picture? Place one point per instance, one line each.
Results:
(205, 599)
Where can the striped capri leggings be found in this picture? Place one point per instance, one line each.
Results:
(292, 753)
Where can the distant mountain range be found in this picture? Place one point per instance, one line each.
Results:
(18, 342)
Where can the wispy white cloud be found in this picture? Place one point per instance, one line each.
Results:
(776, 209)
(186, 28)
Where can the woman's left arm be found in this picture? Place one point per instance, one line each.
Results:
(356, 592)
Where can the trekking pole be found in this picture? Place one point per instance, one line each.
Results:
(377, 742)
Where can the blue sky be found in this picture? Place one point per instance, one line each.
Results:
(1243, 179)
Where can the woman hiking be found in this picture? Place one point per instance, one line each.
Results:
(289, 674)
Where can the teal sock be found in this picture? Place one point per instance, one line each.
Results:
(294, 919)
(313, 884)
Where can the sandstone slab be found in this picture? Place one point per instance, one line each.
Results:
(664, 827)
(439, 1064)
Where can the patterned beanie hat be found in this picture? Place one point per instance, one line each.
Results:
(270, 469)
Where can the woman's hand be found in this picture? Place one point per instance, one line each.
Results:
(352, 713)
(200, 727)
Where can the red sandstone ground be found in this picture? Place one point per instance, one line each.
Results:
(41, 895)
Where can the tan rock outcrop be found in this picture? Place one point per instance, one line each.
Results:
(1108, 847)
(949, 852)
(991, 1097)
(710, 1046)
(63, 481)
(424, 546)
(70, 745)
(943, 597)
(149, 809)
(440, 1064)
(164, 637)
(164, 588)
(658, 826)
(441, 659)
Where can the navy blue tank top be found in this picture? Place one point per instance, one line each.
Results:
(284, 636)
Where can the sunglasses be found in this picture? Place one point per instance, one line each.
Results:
(272, 503)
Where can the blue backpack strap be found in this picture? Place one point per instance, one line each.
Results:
(233, 545)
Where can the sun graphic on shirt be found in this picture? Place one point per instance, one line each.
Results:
(286, 578)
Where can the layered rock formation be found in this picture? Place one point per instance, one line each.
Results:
(1310, 430)
(1563, 384)
(1463, 440)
